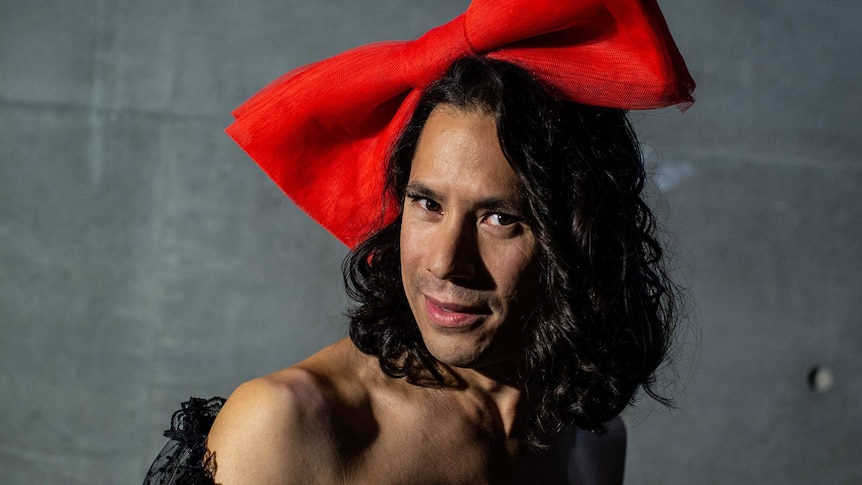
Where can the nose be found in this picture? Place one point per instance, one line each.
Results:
(453, 251)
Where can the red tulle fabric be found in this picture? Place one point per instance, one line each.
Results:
(323, 132)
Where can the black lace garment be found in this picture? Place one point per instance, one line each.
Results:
(184, 461)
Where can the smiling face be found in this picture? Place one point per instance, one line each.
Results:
(468, 255)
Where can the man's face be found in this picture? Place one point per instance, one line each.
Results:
(468, 256)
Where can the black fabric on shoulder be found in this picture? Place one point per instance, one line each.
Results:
(184, 459)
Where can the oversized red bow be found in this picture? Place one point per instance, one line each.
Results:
(322, 132)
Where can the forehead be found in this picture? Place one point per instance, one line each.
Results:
(460, 150)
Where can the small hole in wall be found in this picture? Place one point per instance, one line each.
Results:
(820, 379)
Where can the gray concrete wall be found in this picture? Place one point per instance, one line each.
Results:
(144, 258)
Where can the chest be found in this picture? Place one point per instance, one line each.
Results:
(435, 443)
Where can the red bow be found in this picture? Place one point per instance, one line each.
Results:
(322, 132)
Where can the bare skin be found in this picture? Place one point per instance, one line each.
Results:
(469, 270)
(336, 418)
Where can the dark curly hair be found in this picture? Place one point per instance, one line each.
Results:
(604, 320)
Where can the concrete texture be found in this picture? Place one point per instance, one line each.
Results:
(144, 258)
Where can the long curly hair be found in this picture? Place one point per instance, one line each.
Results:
(606, 312)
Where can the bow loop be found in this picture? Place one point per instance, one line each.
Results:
(494, 24)
(426, 58)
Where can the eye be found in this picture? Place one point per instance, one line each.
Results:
(426, 204)
(498, 219)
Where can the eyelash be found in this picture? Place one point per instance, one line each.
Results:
(507, 219)
(420, 199)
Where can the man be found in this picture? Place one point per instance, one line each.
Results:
(478, 304)
(510, 290)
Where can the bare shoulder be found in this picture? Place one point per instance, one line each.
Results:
(283, 428)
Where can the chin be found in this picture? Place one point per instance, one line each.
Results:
(459, 361)
(456, 354)
(464, 355)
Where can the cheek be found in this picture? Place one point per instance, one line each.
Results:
(514, 270)
(408, 245)
(411, 249)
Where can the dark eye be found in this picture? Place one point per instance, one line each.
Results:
(497, 219)
(428, 204)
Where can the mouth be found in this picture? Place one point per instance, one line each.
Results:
(452, 314)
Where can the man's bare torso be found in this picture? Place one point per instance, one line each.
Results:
(353, 424)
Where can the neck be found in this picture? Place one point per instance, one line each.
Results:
(497, 387)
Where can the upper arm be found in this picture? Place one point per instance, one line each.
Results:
(274, 431)
(580, 457)
(600, 459)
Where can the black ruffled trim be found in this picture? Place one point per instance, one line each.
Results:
(184, 460)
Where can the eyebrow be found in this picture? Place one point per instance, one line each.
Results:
(422, 190)
(491, 204)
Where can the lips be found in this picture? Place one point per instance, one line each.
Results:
(453, 315)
